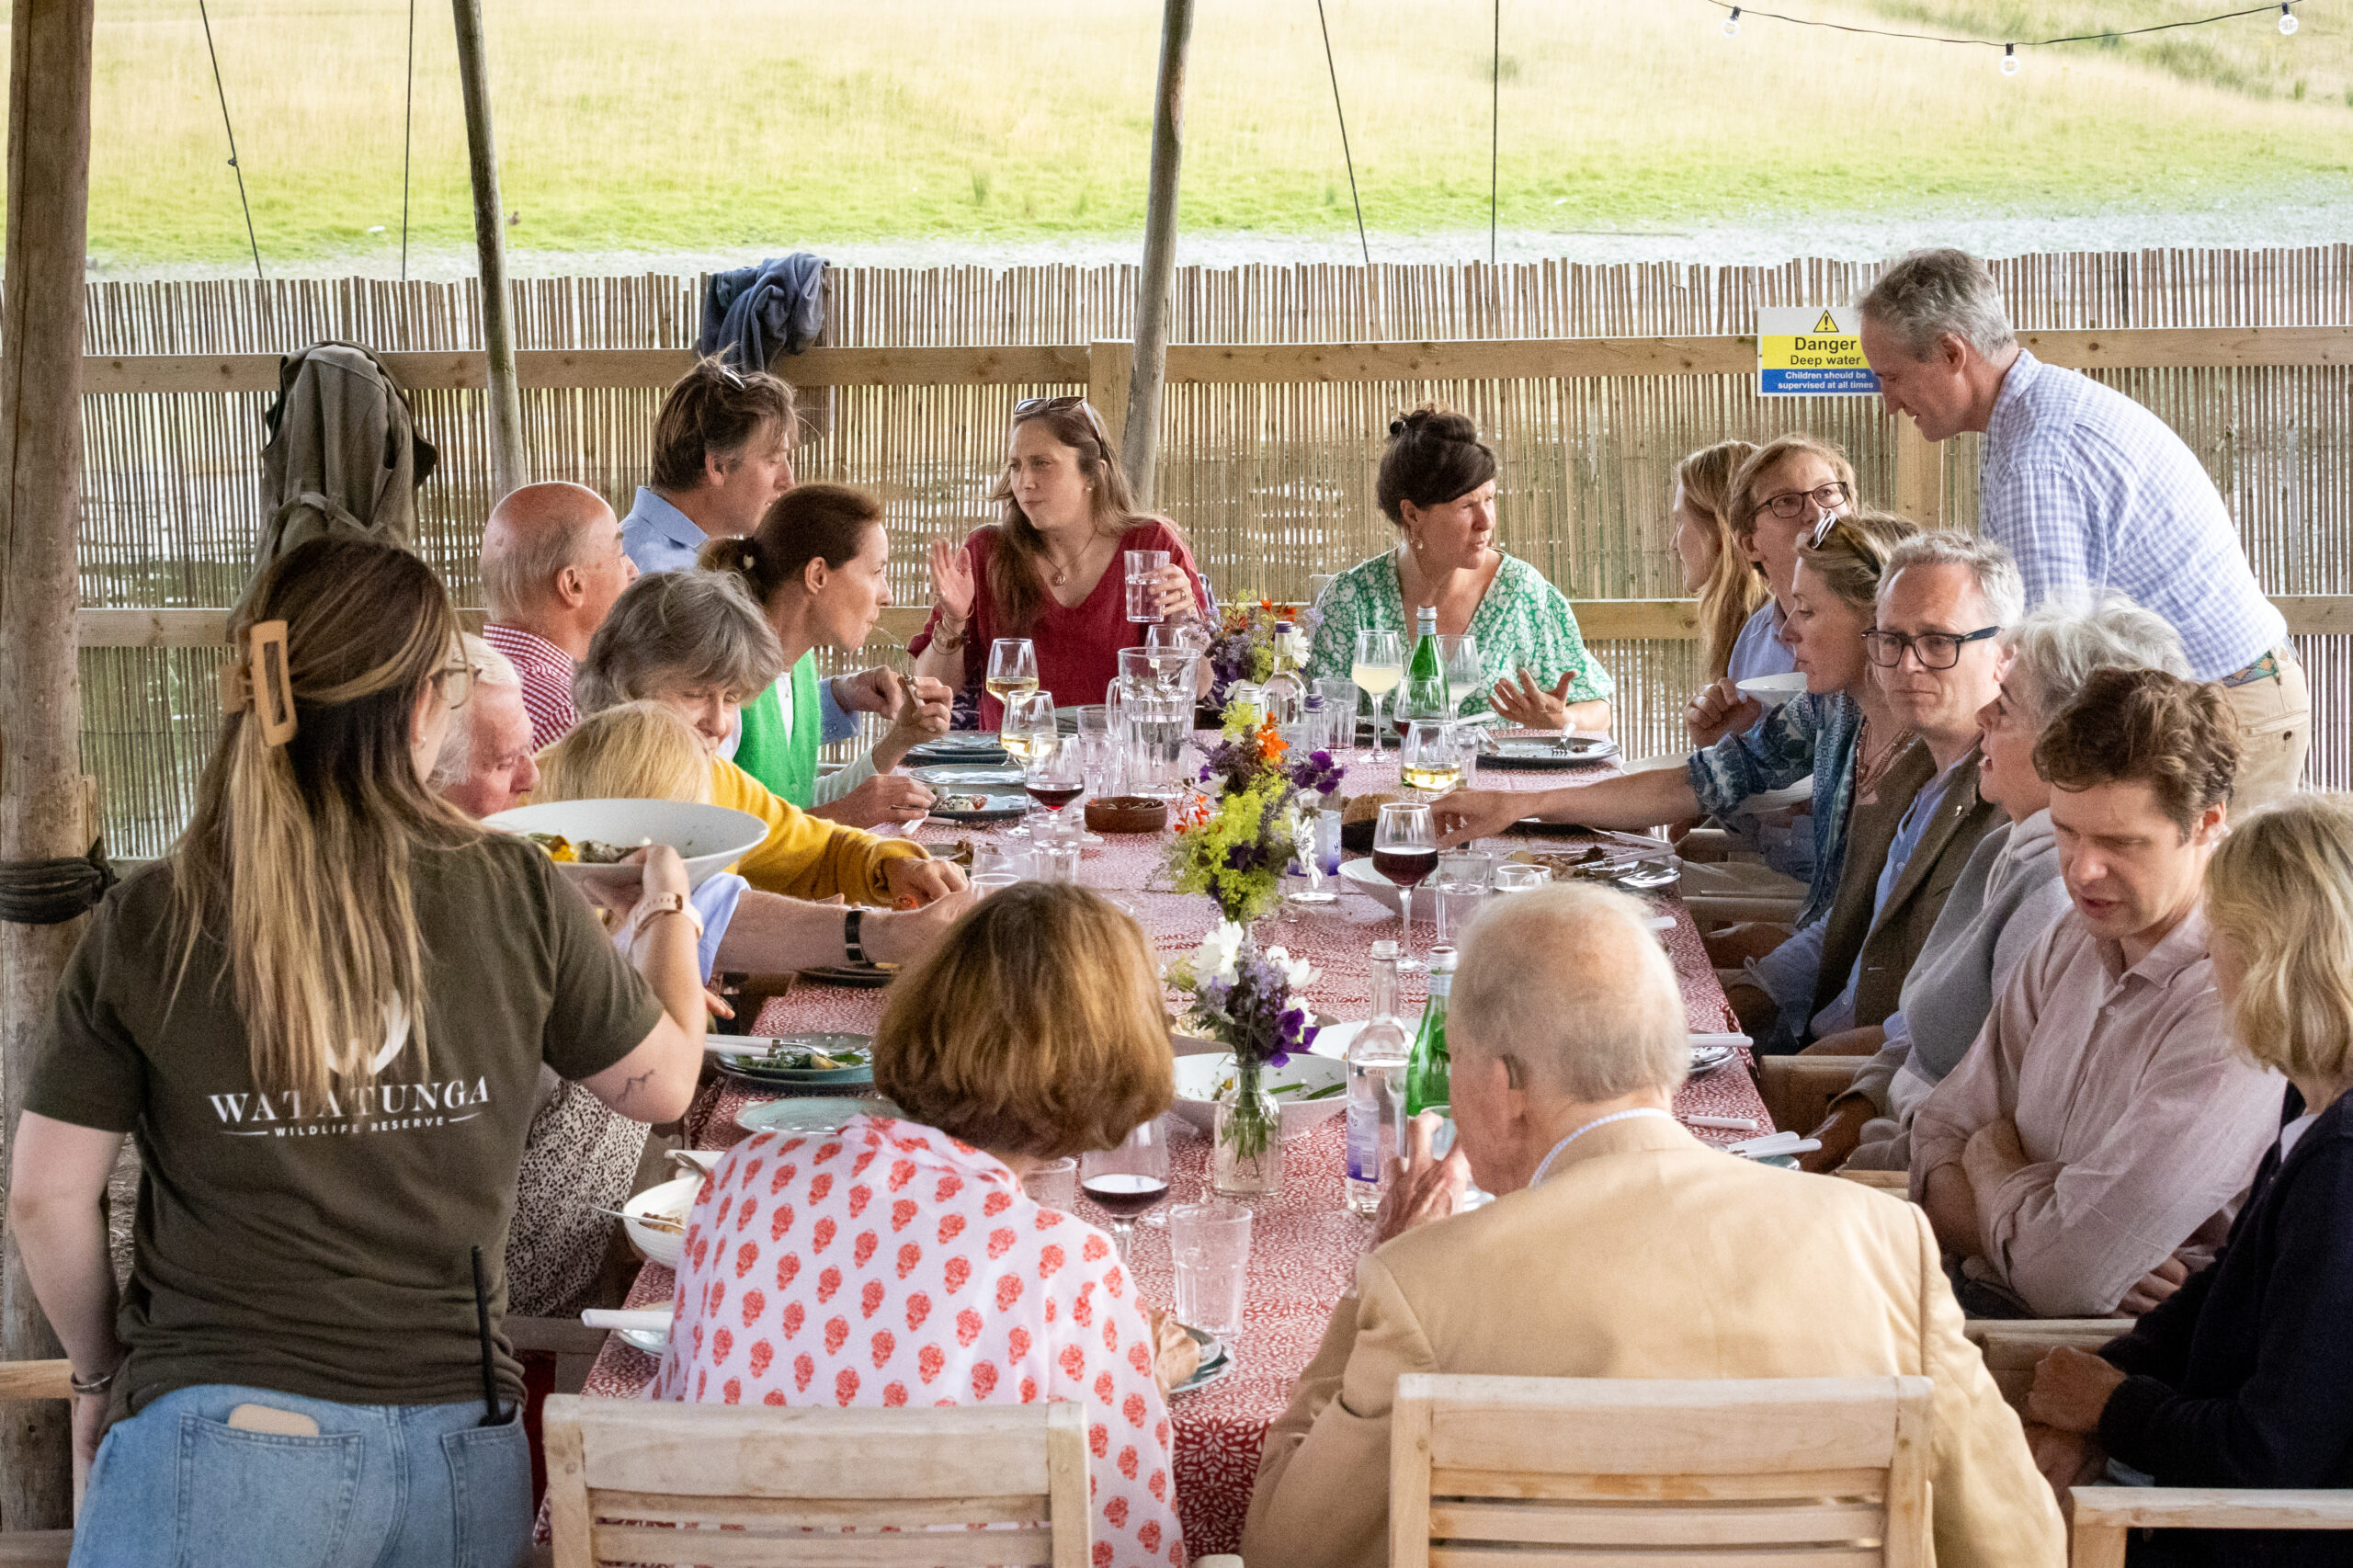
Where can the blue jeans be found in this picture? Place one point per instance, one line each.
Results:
(380, 1486)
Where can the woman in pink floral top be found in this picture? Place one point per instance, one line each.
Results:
(898, 1261)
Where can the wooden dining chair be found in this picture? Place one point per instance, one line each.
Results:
(2099, 1517)
(2013, 1349)
(40, 1379)
(1813, 1470)
(1797, 1090)
(631, 1480)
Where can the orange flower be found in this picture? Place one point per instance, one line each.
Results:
(1271, 745)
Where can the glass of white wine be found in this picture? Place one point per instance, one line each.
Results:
(1013, 669)
(1379, 666)
(1429, 758)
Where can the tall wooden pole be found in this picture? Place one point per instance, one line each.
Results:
(507, 470)
(1142, 445)
(40, 767)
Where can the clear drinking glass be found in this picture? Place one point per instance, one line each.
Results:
(1055, 777)
(1029, 729)
(1054, 1183)
(1429, 759)
(1465, 676)
(1340, 698)
(1013, 669)
(1129, 1181)
(1159, 724)
(1404, 850)
(1144, 565)
(1379, 666)
(1209, 1243)
(1460, 884)
(1518, 876)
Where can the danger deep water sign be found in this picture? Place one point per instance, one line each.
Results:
(1811, 351)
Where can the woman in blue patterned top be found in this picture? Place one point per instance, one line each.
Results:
(1438, 484)
(1838, 728)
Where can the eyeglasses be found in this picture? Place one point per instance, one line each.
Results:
(456, 683)
(1935, 650)
(1793, 505)
(1031, 407)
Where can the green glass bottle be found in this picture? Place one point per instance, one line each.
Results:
(1427, 1072)
(1425, 694)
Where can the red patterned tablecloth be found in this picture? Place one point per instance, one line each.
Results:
(1304, 1244)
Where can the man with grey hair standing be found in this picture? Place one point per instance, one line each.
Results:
(552, 567)
(2090, 490)
(1619, 1246)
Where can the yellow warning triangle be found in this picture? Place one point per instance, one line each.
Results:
(1827, 322)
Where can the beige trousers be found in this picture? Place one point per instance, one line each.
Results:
(2275, 731)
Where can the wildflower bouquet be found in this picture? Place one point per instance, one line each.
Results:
(1246, 999)
(1243, 648)
(1235, 838)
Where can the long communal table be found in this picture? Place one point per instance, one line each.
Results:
(1304, 1244)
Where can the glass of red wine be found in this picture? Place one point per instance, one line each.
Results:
(1404, 850)
(1129, 1181)
(1055, 776)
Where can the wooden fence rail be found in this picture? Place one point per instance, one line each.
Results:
(1589, 380)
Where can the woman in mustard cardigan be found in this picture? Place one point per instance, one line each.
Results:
(695, 642)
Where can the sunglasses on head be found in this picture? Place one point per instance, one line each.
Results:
(1031, 407)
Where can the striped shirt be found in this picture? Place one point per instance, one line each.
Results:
(545, 671)
(2090, 490)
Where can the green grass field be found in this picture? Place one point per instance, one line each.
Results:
(627, 125)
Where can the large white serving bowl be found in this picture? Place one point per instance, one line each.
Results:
(1774, 691)
(708, 838)
(672, 1200)
(1358, 876)
(1199, 1078)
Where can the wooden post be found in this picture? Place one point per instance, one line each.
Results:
(40, 497)
(1140, 445)
(507, 470)
(1109, 368)
(1919, 475)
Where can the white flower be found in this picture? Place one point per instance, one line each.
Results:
(1299, 972)
(1214, 959)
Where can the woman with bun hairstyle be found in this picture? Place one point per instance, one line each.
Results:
(1438, 484)
(817, 568)
(1053, 567)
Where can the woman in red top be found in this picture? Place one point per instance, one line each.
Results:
(1053, 567)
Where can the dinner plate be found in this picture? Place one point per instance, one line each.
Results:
(810, 1115)
(653, 1342)
(982, 778)
(967, 751)
(1000, 808)
(859, 976)
(1706, 1059)
(752, 1071)
(1541, 754)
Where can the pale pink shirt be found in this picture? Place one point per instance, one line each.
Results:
(2142, 1122)
(889, 1264)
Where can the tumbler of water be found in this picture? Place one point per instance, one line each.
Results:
(1209, 1245)
(1144, 565)
(1158, 725)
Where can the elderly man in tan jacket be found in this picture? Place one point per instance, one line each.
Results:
(1622, 1247)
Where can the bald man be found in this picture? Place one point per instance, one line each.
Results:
(1620, 1246)
(551, 566)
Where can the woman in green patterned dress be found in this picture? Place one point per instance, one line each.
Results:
(1438, 484)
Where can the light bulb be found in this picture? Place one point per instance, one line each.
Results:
(2287, 22)
(1732, 23)
(2009, 60)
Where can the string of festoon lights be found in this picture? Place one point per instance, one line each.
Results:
(1736, 14)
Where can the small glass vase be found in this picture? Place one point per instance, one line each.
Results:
(1249, 1156)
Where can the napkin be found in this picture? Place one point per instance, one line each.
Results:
(647, 1320)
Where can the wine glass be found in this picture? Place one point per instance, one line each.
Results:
(1405, 849)
(1055, 776)
(1429, 757)
(1013, 669)
(1028, 727)
(1379, 666)
(1127, 1181)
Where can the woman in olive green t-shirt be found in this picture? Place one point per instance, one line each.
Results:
(324, 1016)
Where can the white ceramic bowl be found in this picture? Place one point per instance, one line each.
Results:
(672, 1200)
(1359, 877)
(1774, 691)
(708, 838)
(1199, 1078)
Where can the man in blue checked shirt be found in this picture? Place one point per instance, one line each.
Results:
(2089, 489)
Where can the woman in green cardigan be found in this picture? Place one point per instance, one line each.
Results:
(815, 564)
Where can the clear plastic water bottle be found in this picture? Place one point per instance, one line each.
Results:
(1377, 1059)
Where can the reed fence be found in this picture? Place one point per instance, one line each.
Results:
(1591, 382)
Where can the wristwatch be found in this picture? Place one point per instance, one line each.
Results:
(652, 909)
(852, 919)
